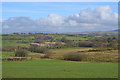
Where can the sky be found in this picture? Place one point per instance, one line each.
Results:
(58, 16)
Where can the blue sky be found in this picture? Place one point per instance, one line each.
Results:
(36, 10)
(59, 16)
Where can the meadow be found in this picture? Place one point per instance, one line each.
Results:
(47, 68)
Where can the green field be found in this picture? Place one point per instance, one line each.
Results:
(12, 43)
(47, 68)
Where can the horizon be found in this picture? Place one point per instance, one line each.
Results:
(61, 32)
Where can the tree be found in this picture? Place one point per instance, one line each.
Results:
(64, 39)
(21, 53)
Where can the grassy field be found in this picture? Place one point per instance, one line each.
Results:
(46, 68)
(51, 68)
(12, 43)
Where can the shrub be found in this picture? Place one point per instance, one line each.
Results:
(64, 40)
(74, 56)
(94, 50)
(21, 53)
(38, 49)
(85, 44)
(47, 54)
(8, 48)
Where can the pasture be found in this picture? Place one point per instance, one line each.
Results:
(47, 68)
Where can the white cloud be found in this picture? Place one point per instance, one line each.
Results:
(1, 20)
(6, 27)
(102, 18)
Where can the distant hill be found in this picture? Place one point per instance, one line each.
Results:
(113, 32)
(116, 30)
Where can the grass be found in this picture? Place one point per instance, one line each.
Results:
(12, 43)
(79, 37)
(44, 68)
(12, 54)
(4, 54)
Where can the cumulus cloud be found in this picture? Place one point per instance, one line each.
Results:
(102, 18)
(1, 20)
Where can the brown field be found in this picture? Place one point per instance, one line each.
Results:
(58, 53)
(100, 56)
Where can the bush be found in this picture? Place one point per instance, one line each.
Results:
(47, 54)
(38, 49)
(8, 48)
(21, 53)
(74, 56)
(94, 50)
(85, 44)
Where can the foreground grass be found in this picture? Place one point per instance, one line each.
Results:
(44, 68)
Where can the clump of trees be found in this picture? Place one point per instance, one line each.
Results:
(37, 49)
(12, 49)
(105, 43)
(74, 56)
(47, 55)
(98, 43)
(85, 44)
(8, 48)
(21, 53)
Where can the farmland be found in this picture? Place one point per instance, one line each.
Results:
(59, 56)
(48, 68)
